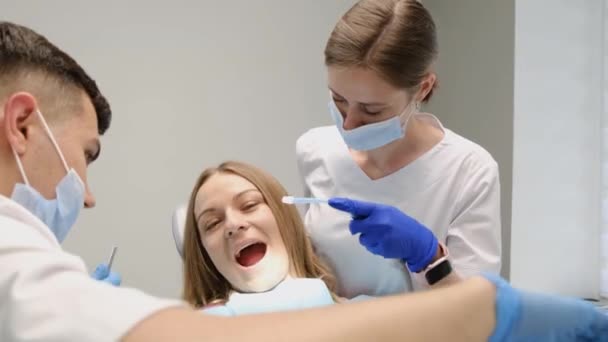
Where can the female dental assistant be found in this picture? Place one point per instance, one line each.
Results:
(440, 218)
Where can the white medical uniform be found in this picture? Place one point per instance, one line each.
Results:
(453, 189)
(47, 295)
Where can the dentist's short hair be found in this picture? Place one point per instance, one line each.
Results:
(29, 62)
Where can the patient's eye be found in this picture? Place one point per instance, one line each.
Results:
(338, 99)
(209, 225)
(250, 205)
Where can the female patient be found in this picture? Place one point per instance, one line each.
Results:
(246, 249)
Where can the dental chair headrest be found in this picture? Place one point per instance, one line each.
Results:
(179, 227)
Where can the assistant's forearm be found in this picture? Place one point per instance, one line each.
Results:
(463, 312)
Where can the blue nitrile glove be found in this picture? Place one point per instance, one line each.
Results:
(525, 316)
(101, 273)
(388, 232)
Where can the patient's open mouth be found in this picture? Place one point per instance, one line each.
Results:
(251, 255)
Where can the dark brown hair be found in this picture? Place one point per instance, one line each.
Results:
(24, 52)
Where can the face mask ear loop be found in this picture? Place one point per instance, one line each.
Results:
(20, 166)
(50, 134)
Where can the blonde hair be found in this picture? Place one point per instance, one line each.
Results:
(203, 283)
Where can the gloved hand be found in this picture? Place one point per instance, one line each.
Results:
(525, 316)
(388, 232)
(102, 273)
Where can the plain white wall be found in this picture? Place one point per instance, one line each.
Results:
(191, 83)
(475, 72)
(556, 176)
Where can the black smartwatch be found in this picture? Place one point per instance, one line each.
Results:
(439, 269)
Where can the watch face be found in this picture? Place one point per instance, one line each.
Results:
(438, 272)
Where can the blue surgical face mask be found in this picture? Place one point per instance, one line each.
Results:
(58, 214)
(373, 135)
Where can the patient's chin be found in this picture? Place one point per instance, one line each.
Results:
(266, 275)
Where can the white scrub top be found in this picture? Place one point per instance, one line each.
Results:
(47, 295)
(453, 189)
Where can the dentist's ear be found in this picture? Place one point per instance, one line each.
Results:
(426, 87)
(19, 116)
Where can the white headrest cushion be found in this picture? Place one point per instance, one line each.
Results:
(179, 227)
